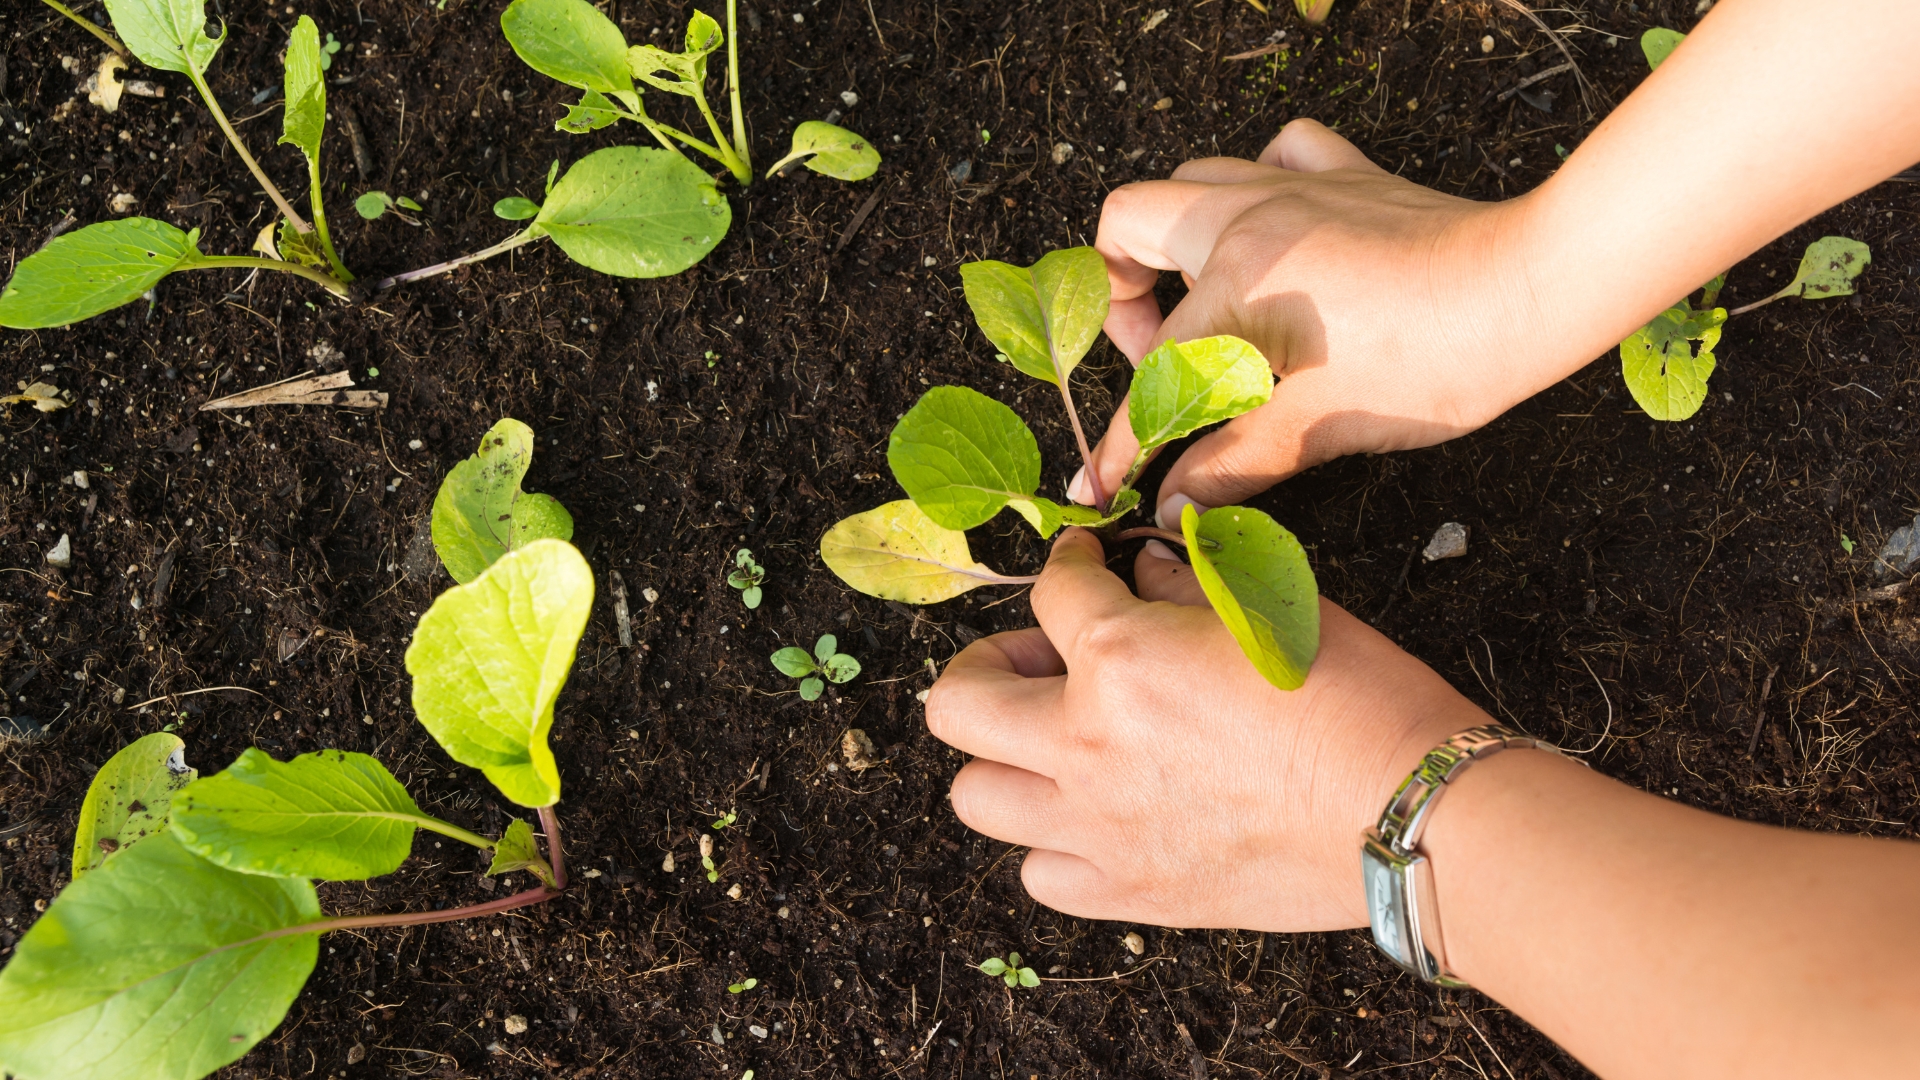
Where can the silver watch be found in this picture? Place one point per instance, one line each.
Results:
(1399, 880)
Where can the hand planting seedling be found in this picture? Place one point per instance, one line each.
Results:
(962, 457)
(375, 204)
(827, 660)
(480, 513)
(192, 921)
(1010, 971)
(747, 578)
(830, 151)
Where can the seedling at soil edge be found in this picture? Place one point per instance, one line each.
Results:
(827, 660)
(726, 819)
(1010, 971)
(747, 578)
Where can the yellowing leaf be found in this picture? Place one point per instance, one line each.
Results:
(896, 552)
(45, 397)
(129, 798)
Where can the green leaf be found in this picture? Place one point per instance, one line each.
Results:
(840, 668)
(1257, 577)
(1047, 516)
(1659, 43)
(961, 455)
(517, 851)
(1013, 959)
(330, 814)
(1044, 317)
(480, 513)
(167, 34)
(129, 798)
(794, 661)
(154, 967)
(896, 552)
(372, 205)
(810, 688)
(299, 247)
(569, 40)
(515, 208)
(835, 151)
(751, 597)
(408, 204)
(824, 648)
(1029, 978)
(1828, 268)
(89, 271)
(993, 965)
(489, 658)
(592, 113)
(703, 34)
(1182, 387)
(635, 212)
(1665, 374)
(306, 113)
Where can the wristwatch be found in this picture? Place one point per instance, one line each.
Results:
(1399, 880)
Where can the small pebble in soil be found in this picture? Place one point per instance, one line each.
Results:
(756, 1031)
(1486, 44)
(849, 98)
(734, 892)
(1901, 554)
(61, 554)
(1449, 542)
(1062, 153)
(784, 912)
(666, 864)
(1135, 943)
(719, 1037)
(414, 444)
(515, 1024)
(651, 594)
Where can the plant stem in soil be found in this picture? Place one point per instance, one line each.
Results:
(525, 236)
(556, 857)
(89, 26)
(213, 262)
(1080, 437)
(220, 117)
(733, 94)
(320, 221)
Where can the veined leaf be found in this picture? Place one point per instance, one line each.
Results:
(489, 658)
(129, 797)
(1257, 577)
(480, 513)
(896, 552)
(794, 661)
(330, 814)
(167, 34)
(305, 118)
(834, 151)
(592, 113)
(1047, 516)
(1665, 374)
(570, 41)
(1828, 268)
(1658, 43)
(961, 455)
(517, 851)
(93, 270)
(689, 68)
(299, 247)
(1182, 387)
(1043, 317)
(635, 212)
(156, 966)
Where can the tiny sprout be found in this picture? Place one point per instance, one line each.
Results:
(986, 136)
(327, 50)
(706, 858)
(1846, 543)
(743, 986)
(1010, 970)
(375, 204)
(747, 578)
(826, 660)
(726, 819)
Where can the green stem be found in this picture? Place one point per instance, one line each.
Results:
(1791, 290)
(89, 26)
(1134, 470)
(449, 829)
(314, 192)
(733, 94)
(248, 262)
(722, 152)
(220, 117)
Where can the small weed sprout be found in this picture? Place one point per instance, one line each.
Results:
(706, 858)
(375, 204)
(743, 985)
(726, 819)
(827, 660)
(1010, 971)
(327, 51)
(747, 576)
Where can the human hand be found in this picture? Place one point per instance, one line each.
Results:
(1156, 776)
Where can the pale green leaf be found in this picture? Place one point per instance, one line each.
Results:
(635, 212)
(129, 798)
(1047, 516)
(751, 597)
(299, 247)
(480, 513)
(1828, 268)
(89, 271)
(156, 966)
(489, 658)
(1029, 978)
(408, 204)
(1182, 387)
(570, 41)
(810, 689)
(1658, 44)
(896, 552)
(824, 648)
(993, 965)
(306, 113)
(1665, 374)
(961, 455)
(592, 113)
(166, 34)
(840, 668)
(831, 151)
(538, 517)
(372, 205)
(515, 208)
(1044, 317)
(1257, 578)
(703, 34)
(647, 62)
(517, 851)
(794, 661)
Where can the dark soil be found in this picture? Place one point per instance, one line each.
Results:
(1664, 599)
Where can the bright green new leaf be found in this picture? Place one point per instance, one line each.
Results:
(1180, 388)
(1828, 268)
(517, 851)
(592, 113)
(1659, 43)
(635, 212)
(835, 151)
(826, 647)
(1029, 978)
(1258, 580)
(167, 34)
(92, 270)
(570, 41)
(489, 658)
(306, 114)
(1047, 516)
(896, 552)
(840, 668)
(1665, 374)
(515, 208)
(794, 661)
(961, 455)
(480, 513)
(330, 814)
(156, 966)
(372, 205)
(1043, 317)
(129, 797)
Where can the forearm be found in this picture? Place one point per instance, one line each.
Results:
(1652, 940)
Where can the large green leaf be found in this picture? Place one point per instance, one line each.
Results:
(156, 966)
(88, 271)
(1043, 317)
(1182, 387)
(129, 797)
(961, 455)
(306, 116)
(1665, 374)
(1658, 43)
(831, 151)
(489, 658)
(896, 552)
(167, 34)
(331, 814)
(480, 513)
(569, 40)
(1257, 577)
(1828, 268)
(635, 212)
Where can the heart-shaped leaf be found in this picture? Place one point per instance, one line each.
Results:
(517, 851)
(1658, 43)
(129, 798)
(480, 513)
(569, 41)
(961, 455)
(1182, 387)
(489, 658)
(1664, 372)
(158, 965)
(635, 212)
(167, 34)
(305, 118)
(89, 271)
(1257, 577)
(896, 552)
(1043, 317)
(831, 151)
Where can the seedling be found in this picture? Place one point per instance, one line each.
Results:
(706, 858)
(1658, 43)
(480, 513)
(962, 457)
(192, 921)
(827, 661)
(376, 204)
(327, 53)
(830, 151)
(743, 986)
(726, 819)
(1314, 11)
(747, 577)
(1010, 971)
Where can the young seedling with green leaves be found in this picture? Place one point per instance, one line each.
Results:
(480, 513)
(743, 985)
(747, 576)
(962, 457)
(827, 664)
(830, 151)
(375, 205)
(1010, 971)
(192, 921)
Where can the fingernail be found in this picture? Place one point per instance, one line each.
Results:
(1169, 514)
(1161, 551)
(1077, 487)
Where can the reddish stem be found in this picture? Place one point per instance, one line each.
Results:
(556, 858)
(1147, 532)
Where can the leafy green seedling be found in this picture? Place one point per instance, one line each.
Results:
(1846, 543)
(1010, 971)
(1313, 11)
(1827, 269)
(827, 660)
(480, 513)
(743, 986)
(747, 576)
(327, 52)
(1257, 578)
(375, 205)
(305, 120)
(89, 26)
(1658, 43)
(706, 858)
(726, 820)
(830, 151)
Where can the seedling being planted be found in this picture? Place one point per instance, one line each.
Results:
(192, 922)
(480, 513)
(1010, 971)
(962, 457)
(747, 577)
(827, 662)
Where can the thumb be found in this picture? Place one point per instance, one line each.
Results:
(1311, 146)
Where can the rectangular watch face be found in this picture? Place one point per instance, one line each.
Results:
(1386, 905)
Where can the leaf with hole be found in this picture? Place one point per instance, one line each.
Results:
(129, 798)
(1664, 371)
(896, 552)
(635, 212)
(1182, 387)
(517, 851)
(961, 455)
(1257, 578)
(480, 513)
(89, 271)
(167, 34)
(688, 69)
(1828, 268)
(592, 113)
(830, 151)
(1043, 317)
(570, 41)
